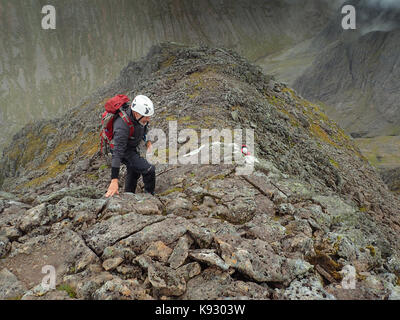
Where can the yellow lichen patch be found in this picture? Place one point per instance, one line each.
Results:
(236, 108)
(65, 146)
(34, 147)
(197, 75)
(168, 62)
(171, 118)
(363, 209)
(315, 116)
(92, 176)
(192, 126)
(336, 245)
(91, 145)
(320, 133)
(360, 277)
(327, 263)
(205, 79)
(276, 101)
(85, 104)
(371, 250)
(317, 111)
(52, 165)
(47, 130)
(53, 170)
(176, 189)
(334, 163)
(292, 119)
(185, 119)
(193, 95)
(189, 122)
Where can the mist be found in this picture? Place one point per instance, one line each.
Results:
(383, 4)
(378, 15)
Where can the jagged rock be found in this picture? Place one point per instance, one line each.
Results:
(264, 228)
(239, 205)
(167, 230)
(235, 115)
(395, 294)
(144, 261)
(118, 289)
(306, 289)
(257, 260)
(346, 249)
(285, 208)
(209, 257)
(180, 252)
(117, 251)
(166, 281)
(10, 286)
(84, 284)
(393, 264)
(179, 207)
(190, 270)
(299, 226)
(12, 212)
(111, 264)
(202, 236)
(37, 292)
(216, 284)
(51, 295)
(83, 165)
(63, 158)
(5, 246)
(150, 206)
(8, 196)
(128, 202)
(209, 202)
(79, 209)
(33, 218)
(129, 272)
(107, 233)
(78, 192)
(11, 232)
(299, 245)
(158, 251)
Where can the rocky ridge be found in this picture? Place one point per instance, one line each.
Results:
(312, 206)
(45, 71)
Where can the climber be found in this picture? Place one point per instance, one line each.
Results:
(125, 148)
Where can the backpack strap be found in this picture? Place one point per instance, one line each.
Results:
(128, 121)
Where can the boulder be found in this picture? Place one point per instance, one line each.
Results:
(63, 249)
(180, 252)
(166, 281)
(107, 233)
(10, 286)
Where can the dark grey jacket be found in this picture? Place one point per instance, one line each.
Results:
(123, 145)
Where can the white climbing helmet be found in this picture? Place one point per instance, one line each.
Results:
(143, 105)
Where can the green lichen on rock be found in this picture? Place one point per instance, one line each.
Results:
(68, 289)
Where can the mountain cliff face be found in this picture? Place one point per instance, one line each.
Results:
(357, 75)
(45, 72)
(354, 75)
(312, 208)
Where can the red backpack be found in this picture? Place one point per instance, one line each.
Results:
(113, 109)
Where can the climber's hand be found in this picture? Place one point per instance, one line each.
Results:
(113, 188)
(149, 147)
